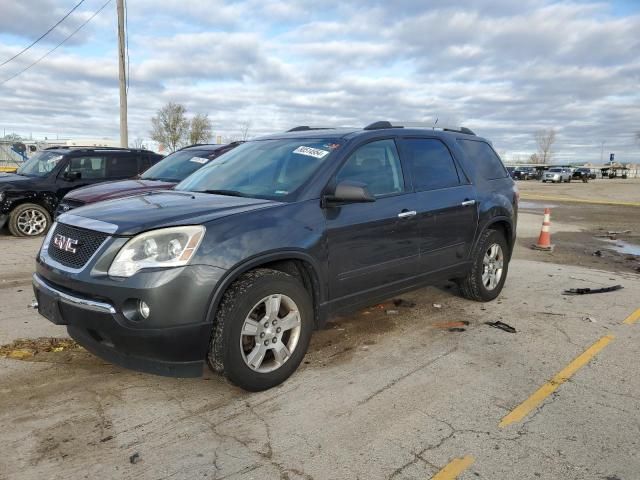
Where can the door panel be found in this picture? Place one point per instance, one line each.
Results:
(447, 227)
(445, 202)
(374, 244)
(370, 246)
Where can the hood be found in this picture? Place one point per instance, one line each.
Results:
(137, 214)
(8, 180)
(118, 189)
(13, 181)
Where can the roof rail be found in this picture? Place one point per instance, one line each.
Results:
(464, 130)
(380, 125)
(303, 128)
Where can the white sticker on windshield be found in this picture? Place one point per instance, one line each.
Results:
(199, 160)
(311, 152)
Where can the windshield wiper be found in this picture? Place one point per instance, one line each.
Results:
(230, 193)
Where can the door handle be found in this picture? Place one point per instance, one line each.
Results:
(468, 203)
(407, 214)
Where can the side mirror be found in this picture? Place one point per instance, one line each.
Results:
(349, 192)
(71, 176)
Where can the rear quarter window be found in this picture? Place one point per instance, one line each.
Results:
(482, 160)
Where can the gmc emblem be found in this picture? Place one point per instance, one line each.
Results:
(65, 243)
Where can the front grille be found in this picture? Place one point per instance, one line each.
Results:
(73, 247)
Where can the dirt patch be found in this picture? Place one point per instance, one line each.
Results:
(49, 350)
(414, 312)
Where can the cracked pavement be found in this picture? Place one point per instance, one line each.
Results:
(378, 397)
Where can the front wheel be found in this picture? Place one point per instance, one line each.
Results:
(29, 220)
(262, 329)
(489, 269)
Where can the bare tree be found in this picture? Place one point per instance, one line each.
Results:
(545, 139)
(244, 130)
(170, 126)
(200, 129)
(533, 158)
(12, 137)
(138, 143)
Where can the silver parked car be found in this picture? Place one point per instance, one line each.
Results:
(557, 175)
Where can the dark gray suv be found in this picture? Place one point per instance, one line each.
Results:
(251, 253)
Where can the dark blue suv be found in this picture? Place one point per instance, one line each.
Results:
(247, 256)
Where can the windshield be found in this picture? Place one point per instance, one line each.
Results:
(41, 164)
(178, 166)
(555, 169)
(270, 169)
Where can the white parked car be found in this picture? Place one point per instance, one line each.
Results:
(557, 175)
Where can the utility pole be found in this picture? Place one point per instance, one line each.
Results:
(122, 75)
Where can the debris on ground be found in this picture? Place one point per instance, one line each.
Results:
(457, 329)
(135, 458)
(401, 302)
(19, 354)
(28, 347)
(437, 305)
(392, 312)
(587, 291)
(597, 253)
(449, 325)
(501, 326)
(589, 319)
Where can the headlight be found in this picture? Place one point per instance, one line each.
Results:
(166, 247)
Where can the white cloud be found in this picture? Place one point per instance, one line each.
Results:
(503, 68)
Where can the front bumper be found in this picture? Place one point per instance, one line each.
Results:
(173, 341)
(3, 220)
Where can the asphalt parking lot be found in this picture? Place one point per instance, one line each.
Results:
(423, 389)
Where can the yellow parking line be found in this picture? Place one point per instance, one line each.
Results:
(454, 468)
(551, 386)
(633, 318)
(595, 201)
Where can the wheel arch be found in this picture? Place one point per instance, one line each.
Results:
(46, 200)
(293, 262)
(502, 224)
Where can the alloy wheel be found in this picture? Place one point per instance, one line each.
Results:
(492, 266)
(32, 222)
(270, 333)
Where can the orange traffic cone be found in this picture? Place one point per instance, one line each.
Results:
(544, 240)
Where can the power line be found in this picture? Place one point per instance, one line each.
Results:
(43, 35)
(58, 45)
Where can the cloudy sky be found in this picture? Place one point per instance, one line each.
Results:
(504, 68)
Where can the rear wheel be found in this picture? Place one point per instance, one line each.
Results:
(262, 329)
(489, 270)
(29, 220)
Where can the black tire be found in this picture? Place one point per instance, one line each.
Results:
(225, 352)
(472, 286)
(18, 216)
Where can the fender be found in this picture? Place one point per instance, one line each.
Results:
(234, 273)
(45, 199)
(491, 221)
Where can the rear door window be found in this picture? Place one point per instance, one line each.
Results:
(122, 166)
(481, 159)
(431, 164)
